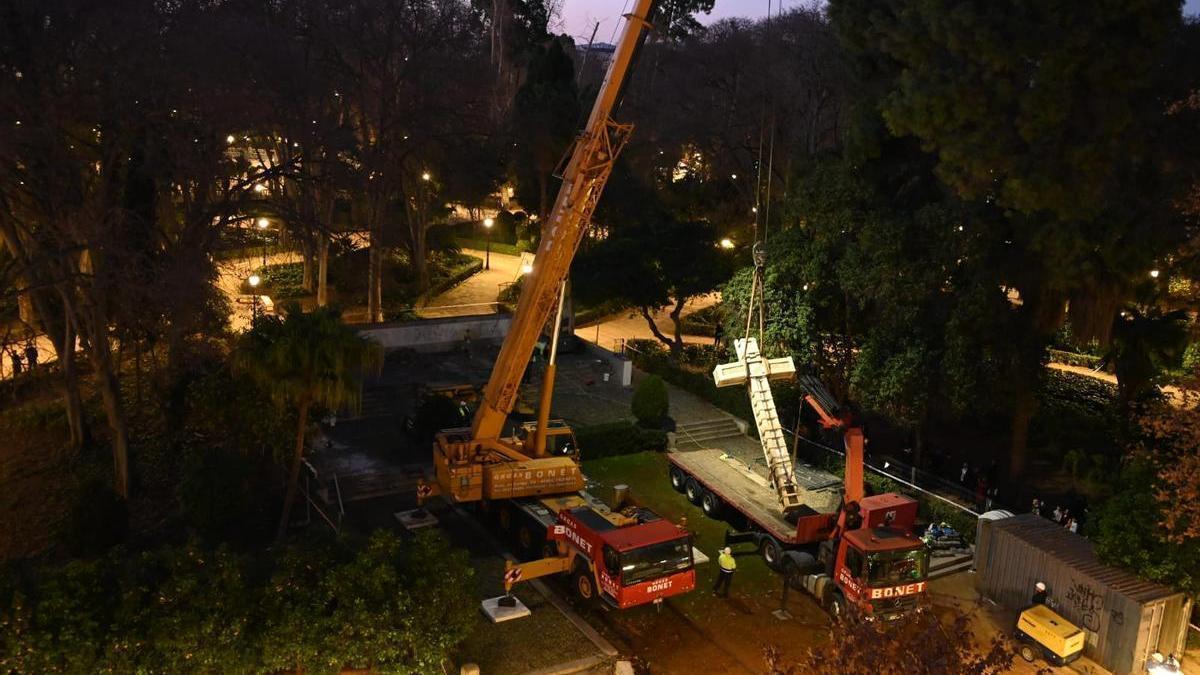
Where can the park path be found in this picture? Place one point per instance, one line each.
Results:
(612, 330)
(230, 275)
(476, 295)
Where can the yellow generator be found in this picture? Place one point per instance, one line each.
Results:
(1040, 628)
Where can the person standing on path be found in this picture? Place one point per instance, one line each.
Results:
(728, 565)
(31, 355)
(16, 363)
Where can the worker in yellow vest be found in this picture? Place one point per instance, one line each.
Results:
(728, 565)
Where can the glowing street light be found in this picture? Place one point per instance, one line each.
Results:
(487, 259)
(254, 281)
(263, 223)
(727, 243)
(230, 139)
(425, 176)
(1153, 274)
(526, 268)
(260, 188)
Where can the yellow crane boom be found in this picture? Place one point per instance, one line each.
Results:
(478, 463)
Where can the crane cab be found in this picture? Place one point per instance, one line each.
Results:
(560, 439)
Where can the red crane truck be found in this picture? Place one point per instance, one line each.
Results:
(852, 552)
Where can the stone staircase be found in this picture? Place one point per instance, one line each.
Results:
(702, 432)
(368, 485)
(377, 401)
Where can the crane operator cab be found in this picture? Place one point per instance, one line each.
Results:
(560, 439)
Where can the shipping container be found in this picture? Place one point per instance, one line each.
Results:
(1124, 618)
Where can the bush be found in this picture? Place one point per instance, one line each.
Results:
(216, 494)
(650, 403)
(316, 608)
(99, 519)
(618, 438)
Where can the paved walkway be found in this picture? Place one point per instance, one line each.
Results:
(631, 325)
(478, 293)
(231, 274)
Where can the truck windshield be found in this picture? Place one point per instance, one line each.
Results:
(897, 567)
(656, 560)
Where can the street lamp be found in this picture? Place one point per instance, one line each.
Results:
(263, 223)
(727, 243)
(1153, 274)
(254, 281)
(487, 226)
(425, 176)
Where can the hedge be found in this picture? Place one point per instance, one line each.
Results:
(481, 245)
(618, 438)
(1075, 359)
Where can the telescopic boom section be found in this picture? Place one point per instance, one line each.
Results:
(595, 151)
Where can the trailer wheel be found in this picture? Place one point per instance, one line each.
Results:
(585, 585)
(694, 492)
(771, 551)
(678, 478)
(1027, 653)
(712, 505)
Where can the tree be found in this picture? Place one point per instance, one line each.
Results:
(303, 360)
(918, 642)
(1050, 132)
(1133, 529)
(546, 113)
(1146, 341)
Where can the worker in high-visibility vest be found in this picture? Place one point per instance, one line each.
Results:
(728, 565)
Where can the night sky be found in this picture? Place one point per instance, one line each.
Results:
(579, 16)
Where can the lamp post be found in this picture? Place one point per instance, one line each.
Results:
(487, 259)
(254, 281)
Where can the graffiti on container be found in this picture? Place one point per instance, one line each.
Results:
(1088, 603)
(1117, 617)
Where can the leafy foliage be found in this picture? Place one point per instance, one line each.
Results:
(618, 438)
(321, 607)
(918, 642)
(650, 405)
(1127, 532)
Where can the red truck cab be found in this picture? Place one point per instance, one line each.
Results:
(881, 566)
(642, 560)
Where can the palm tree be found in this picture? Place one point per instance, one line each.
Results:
(303, 360)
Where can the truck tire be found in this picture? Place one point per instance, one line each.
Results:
(836, 606)
(678, 478)
(504, 518)
(1027, 653)
(584, 585)
(694, 491)
(529, 543)
(771, 551)
(712, 505)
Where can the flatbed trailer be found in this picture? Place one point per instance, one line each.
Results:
(721, 484)
(875, 565)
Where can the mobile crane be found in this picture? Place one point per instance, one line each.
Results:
(854, 553)
(624, 555)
